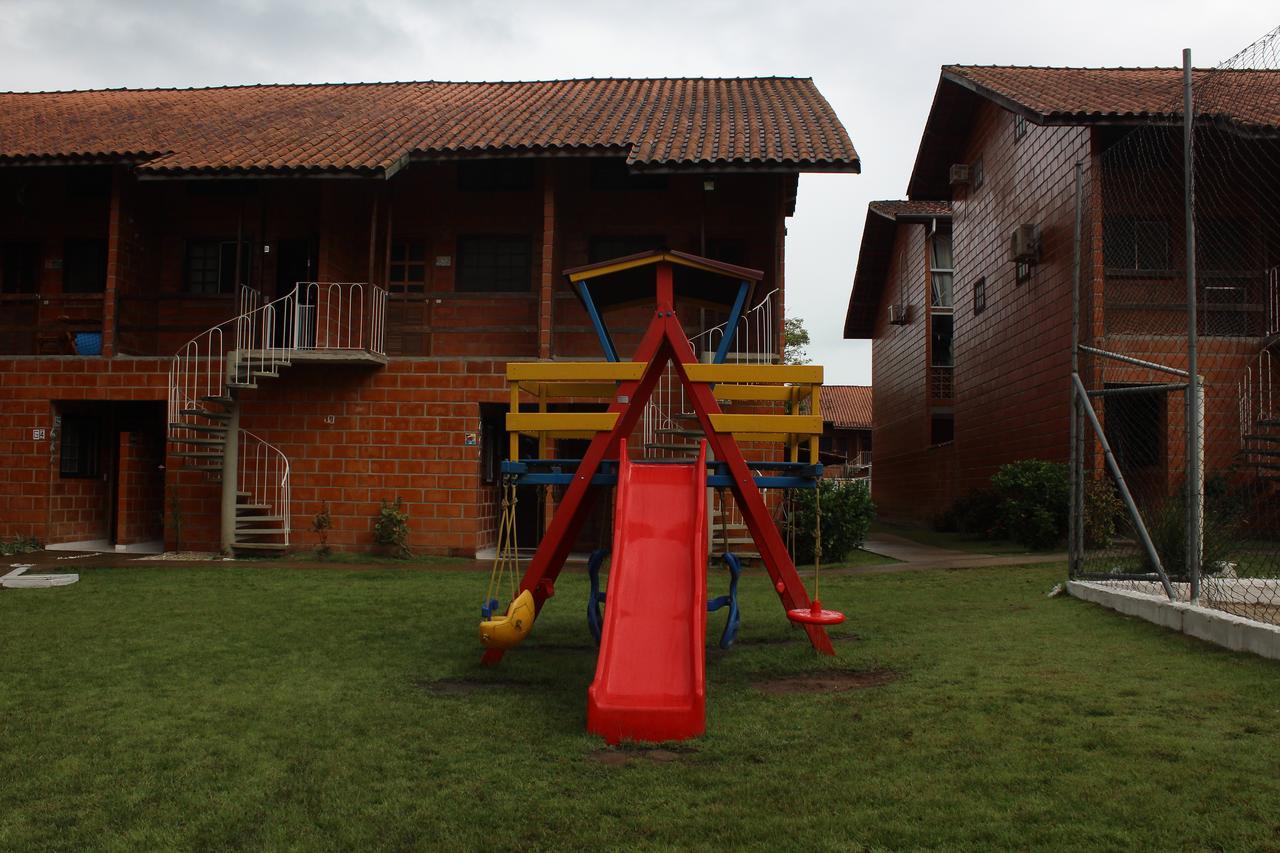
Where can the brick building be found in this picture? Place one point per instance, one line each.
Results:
(845, 446)
(972, 349)
(222, 309)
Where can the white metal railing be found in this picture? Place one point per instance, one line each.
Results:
(668, 408)
(1273, 301)
(261, 338)
(753, 342)
(342, 315)
(1256, 394)
(264, 476)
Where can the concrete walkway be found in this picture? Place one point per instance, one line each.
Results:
(914, 556)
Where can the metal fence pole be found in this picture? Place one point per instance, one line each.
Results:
(1195, 482)
(1076, 518)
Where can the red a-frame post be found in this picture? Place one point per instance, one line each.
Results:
(664, 341)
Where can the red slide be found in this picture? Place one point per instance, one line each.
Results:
(650, 682)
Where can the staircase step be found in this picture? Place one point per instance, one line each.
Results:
(217, 416)
(223, 399)
(255, 519)
(260, 531)
(199, 427)
(697, 433)
(258, 546)
(244, 494)
(199, 454)
(1262, 437)
(242, 385)
(204, 442)
(241, 506)
(267, 373)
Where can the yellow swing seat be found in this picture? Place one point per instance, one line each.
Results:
(509, 630)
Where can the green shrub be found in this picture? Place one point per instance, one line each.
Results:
(1103, 511)
(391, 528)
(320, 525)
(1223, 528)
(1034, 501)
(977, 514)
(846, 515)
(20, 545)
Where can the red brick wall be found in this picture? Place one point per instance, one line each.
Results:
(34, 500)
(1013, 361)
(396, 430)
(910, 478)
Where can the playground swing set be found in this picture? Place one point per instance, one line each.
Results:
(650, 624)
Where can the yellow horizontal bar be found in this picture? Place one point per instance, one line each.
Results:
(799, 374)
(761, 436)
(571, 389)
(587, 434)
(752, 392)
(793, 424)
(574, 371)
(560, 421)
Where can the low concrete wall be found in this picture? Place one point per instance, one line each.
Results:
(1224, 629)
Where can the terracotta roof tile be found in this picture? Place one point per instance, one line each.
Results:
(892, 209)
(1078, 94)
(655, 123)
(847, 406)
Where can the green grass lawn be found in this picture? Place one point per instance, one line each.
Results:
(147, 708)
(953, 541)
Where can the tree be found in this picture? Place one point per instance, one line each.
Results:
(794, 340)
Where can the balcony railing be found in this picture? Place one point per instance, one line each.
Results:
(941, 382)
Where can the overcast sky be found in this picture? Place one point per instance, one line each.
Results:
(876, 62)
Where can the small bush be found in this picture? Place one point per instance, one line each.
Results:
(1034, 501)
(391, 528)
(1103, 511)
(20, 545)
(846, 515)
(320, 525)
(977, 514)
(1223, 527)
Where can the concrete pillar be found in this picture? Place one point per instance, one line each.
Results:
(230, 479)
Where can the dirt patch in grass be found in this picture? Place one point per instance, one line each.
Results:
(629, 753)
(466, 686)
(827, 682)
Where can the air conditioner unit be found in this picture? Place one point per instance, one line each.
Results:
(899, 315)
(961, 174)
(1024, 244)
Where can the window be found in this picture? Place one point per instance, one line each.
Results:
(513, 175)
(1130, 244)
(1019, 127)
(940, 269)
(408, 269)
(980, 296)
(608, 247)
(495, 264)
(211, 266)
(80, 445)
(942, 429)
(1022, 272)
(19, 267)
(978, 176)
(613, 174)
(84, 266)
(943, 332)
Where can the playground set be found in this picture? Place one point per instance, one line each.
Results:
(649, 683)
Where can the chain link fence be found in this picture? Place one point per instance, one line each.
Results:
(1176, 433)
